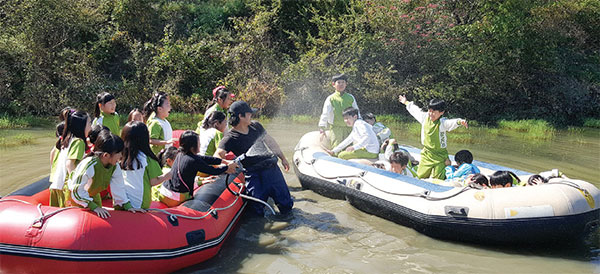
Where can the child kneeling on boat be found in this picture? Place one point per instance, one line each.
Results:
(187, 164)
(95, 173)
(365, 142)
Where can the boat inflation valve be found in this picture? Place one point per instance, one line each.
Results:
(173, 220)
(214, 214)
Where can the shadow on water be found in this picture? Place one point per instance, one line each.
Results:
(263, 236)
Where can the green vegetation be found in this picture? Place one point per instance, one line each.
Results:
(491, 60)
(14, 122)
(591, 122)
(16, 140)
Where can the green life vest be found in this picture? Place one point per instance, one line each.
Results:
(339, 103)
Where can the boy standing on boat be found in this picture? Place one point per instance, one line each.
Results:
(365, 142)
(433, 136)
(249, 138)
(331, 117)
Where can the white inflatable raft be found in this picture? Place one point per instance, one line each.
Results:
(561, 210)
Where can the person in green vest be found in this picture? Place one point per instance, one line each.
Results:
(331, 118)
(434, 155)
(105, 113)
(95, 173)
(222, 99)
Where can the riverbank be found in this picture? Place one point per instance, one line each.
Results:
(527, 130)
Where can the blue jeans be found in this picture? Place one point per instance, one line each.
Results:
(265, 183)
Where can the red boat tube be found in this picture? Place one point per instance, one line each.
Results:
(35, 237)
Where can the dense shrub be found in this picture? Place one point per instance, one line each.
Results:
(491, 60)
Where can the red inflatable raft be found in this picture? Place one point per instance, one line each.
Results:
(35, 237)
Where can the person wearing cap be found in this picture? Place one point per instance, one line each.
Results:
(222, 99)
(264, 178)
(331, 117)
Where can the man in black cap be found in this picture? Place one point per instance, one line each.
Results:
(264, 177)
(331, 118)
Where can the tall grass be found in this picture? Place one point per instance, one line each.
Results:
(532, 129)
(15, 122)
(591, 122)
(16, 140)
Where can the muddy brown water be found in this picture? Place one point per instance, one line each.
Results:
(331, 236)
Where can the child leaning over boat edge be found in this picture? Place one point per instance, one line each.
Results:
(434, 154)
(364, 141)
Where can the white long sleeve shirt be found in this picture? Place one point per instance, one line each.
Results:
(362, 136)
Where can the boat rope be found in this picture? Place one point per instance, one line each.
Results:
(212, 211)
(425, 194)
(571, 184)
(39, 222)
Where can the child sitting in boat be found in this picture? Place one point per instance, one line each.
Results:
(390, 146)
(365, 143)
(504, 178)
(383, 133)
(536, 180)
(71, 147)
(433, 136)
(187, 163)
(167, 157)
(464, 160)
(95, 173)
(157, 110)
(213, 128)
(477, 180)
(398, 164)
(140, 166)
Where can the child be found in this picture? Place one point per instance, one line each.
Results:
(398, 163)
(105, 112)
(503, 178)
(331, 117)
(433, 136)
(464, 159)
(140, 166)
(95, 173)
(212, 132)
(93, 135)
(365, 144)
(383, 133)
(222, 100)
(71, 147)
(536, 180)
(390, 146)
(187, 163)
(477, 180)
(157, 110)
(167, 157)
(135, 115)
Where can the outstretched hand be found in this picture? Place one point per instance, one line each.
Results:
(464, 123)
(402, 99)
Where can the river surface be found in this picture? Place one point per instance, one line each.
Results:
(331, 236)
